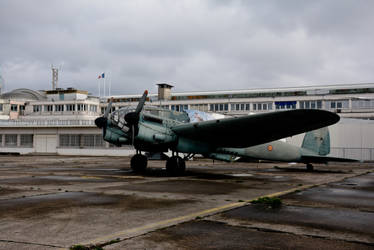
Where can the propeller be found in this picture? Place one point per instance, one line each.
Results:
(132, 118)
(101, 121)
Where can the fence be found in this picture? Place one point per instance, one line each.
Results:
(362, 154)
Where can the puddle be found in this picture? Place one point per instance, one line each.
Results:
(354, 192)
(241, 175)
(40, 205)
(183, 186)
(61, 178)
(322, 218)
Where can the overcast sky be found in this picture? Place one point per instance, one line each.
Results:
(193, 45)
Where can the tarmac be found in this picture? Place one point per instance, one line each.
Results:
(58, 202)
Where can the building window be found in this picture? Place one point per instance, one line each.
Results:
(70, 107)
(99, 141)
(310, 104)
(14, 107)
(88, 140)
(338, 104)
(201, 107)
(1, 107)
(286, 105)
(27, 140)
(363, 104)
(93, 108)
(37, 108)
(48, 108)
(82, 107)
(179, 108)
(69, 140)
(59, 107)
(1, 140)
(11, 140)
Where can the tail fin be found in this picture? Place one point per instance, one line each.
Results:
(317, 141)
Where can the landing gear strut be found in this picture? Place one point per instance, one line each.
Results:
(175, 165)
(139, 162)
(309, 167)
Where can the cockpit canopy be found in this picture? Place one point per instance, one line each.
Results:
(118, 116)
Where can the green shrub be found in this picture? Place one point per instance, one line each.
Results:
(273, 202)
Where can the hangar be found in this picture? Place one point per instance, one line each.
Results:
(61, 121)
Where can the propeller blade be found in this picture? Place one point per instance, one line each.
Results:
(133, 117)
(108, 108)
(141, 102)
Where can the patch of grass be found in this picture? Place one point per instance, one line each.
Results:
(273, 202)
(81, 247)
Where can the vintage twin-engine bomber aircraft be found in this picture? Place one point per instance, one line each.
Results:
(154, 129)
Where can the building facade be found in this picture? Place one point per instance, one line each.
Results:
(61, 121)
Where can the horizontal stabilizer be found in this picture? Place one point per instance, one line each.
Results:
(324, 159)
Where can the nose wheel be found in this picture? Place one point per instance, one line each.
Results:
(139, 163)
(175, 165)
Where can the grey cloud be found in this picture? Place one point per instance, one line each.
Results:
(195, 45)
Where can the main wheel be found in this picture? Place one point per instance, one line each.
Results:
(175, 165)
(139, 163)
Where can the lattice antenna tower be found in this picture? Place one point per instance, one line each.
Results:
(54, 77)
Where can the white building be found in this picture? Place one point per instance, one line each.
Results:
(51, 122)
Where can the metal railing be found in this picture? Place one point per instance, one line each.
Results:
(362, 154)
(47, 123)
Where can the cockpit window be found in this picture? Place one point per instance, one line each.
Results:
(167, 114)
(118, 116)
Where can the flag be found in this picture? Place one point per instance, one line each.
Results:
(101, 76)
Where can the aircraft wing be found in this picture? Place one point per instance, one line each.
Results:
(324, 159)
(256, 129)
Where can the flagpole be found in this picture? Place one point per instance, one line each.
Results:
(98, 80)
(104, 83)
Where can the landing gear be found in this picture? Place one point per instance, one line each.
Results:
(309, 167)
(175, 165)
(139, 162)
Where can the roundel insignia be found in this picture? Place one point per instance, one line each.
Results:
(270, 147)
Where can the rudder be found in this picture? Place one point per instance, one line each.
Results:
(317, 141)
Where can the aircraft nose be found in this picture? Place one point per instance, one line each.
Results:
(100, 122)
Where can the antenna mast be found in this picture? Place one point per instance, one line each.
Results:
(54, 77)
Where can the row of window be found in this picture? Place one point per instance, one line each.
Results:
(63, 107)
(11, 140)
(66, 140)
(278, 105)
(78, 140)
(180, 107)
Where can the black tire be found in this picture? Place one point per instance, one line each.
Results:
(139, 163)
(175, 166)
